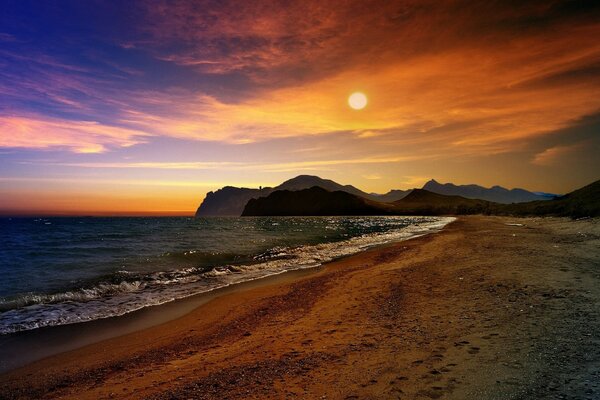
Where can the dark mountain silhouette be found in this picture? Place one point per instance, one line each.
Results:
(230, 201)
(307, 181)
(391, 196)
(583, 202)
(314, 201)
(497, 194)
(318, 201)
(424, 202)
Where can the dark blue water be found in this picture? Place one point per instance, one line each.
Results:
(65, 270)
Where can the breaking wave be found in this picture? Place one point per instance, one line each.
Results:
(125, 291)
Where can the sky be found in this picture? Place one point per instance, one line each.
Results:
(142, 107)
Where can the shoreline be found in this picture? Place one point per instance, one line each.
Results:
(481, 309)
(59, 339)
(20, 349)
(182, 275)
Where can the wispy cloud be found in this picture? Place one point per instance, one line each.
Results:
(119, 182)
(372, 176)
(413, 181)
(228, 165)
(79, 136)
(556, 154)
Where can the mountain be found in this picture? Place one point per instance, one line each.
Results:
(230, 201)
(424, 202)
(391, 196)
(307, 181)
(318, 201)
(496, 194)
(314, 201)
(584, 202)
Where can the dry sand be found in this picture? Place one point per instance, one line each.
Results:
(482, 310)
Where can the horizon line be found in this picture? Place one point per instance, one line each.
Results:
(93, 214)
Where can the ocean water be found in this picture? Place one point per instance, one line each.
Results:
(56, 271)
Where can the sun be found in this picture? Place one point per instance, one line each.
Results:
(357, 100)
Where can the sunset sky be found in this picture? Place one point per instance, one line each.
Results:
(120, 107)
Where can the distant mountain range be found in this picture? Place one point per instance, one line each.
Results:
(584, 202)
(230, 201)
(497, 194)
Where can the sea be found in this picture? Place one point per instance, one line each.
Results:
(66, 270)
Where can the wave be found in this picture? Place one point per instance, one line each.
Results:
(125, 291)
(79, 295)
(206, 258)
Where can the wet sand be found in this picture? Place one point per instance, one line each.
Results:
(22, 348)
(481, 310)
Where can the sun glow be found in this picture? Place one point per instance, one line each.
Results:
(357, 100)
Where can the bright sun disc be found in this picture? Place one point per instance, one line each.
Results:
(357, 100)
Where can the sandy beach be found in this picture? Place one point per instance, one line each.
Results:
(489, 308)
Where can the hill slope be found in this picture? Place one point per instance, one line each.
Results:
(391, 196)
(314, 201)
(584, 202)
(308, 181)
(424, 202)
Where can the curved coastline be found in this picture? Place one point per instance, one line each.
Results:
(486, 308)
(21, 348)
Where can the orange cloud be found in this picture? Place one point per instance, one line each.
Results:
(79, 136)
(554, 155)
(461, 75)
(445, 98)
(234, 166)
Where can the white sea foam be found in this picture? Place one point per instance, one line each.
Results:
(135, 292)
